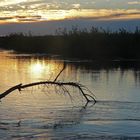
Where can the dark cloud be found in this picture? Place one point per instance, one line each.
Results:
(5, 18)
(22, 18)
(28, 18)
(110, 16)
(124, 14)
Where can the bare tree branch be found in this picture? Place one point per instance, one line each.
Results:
(61, 84)
(60, 72)
(55, 82)
(10, 90)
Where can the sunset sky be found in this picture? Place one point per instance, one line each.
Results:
(33, 12)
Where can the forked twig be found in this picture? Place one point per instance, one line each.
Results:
(64, 66)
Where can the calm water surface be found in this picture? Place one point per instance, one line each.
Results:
(45, 112)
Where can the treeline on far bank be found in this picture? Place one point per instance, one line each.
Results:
(78, 43)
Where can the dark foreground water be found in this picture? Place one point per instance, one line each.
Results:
(45, 112)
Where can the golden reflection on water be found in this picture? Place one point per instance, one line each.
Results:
(44, 69)
(37, 68)
(108, 84)
(16, 69)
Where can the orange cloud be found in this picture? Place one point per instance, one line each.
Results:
(32, 15)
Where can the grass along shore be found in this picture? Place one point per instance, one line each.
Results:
(78, 43)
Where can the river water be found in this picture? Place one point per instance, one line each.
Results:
(46, 112)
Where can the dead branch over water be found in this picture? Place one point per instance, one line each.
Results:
(10, 90)
(61, 84)
(88, 97)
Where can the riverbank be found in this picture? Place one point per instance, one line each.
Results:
(83, 44)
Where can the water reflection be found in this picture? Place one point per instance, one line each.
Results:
(45, 113)
(37, 68)
(113, 80)
(49, 124)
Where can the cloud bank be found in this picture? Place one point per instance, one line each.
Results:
(46, 10)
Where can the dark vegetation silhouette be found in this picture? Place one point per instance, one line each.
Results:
(95, 43)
